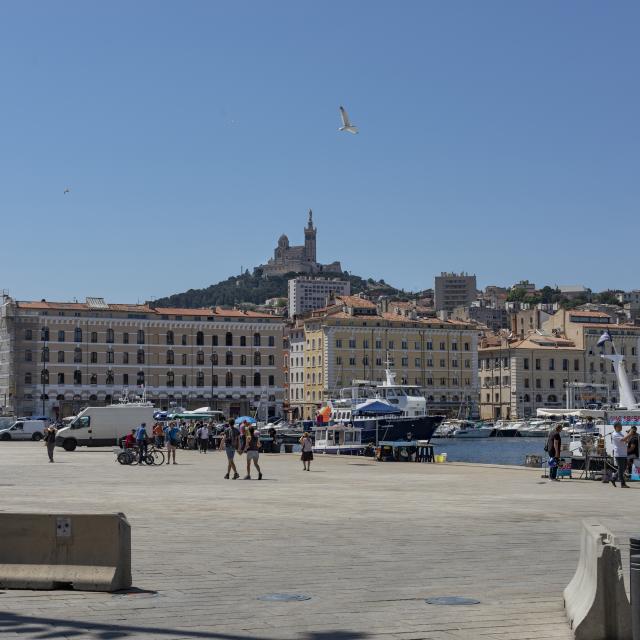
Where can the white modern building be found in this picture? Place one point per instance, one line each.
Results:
(296, 370)
(307, 294)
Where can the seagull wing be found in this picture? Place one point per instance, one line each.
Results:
(345, 117)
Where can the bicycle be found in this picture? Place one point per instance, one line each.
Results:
(157, 455)
(131, 456)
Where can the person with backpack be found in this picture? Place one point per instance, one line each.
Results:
(252, 449)
(142, 440)
(553, 449)
(231, 443)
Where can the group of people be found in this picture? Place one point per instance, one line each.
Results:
(139, 438)
(626, 448)
(247, 442)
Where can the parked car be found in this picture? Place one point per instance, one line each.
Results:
(24, 430)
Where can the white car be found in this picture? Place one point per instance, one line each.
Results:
(24, 430)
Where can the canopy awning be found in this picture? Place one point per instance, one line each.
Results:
(377, 408)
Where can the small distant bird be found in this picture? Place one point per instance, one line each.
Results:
(346, 125)
(67, 190)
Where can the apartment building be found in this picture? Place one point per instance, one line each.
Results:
(306, 294)
(520, 375)
(454, 290)
(56, 358)
(296, 371)
(352, 338)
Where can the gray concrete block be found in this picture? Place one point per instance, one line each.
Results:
(595, 600)
(87, 552)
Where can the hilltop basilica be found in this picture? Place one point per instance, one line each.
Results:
(298, 259)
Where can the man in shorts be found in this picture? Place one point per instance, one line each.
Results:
(172, 440)
(231, 442)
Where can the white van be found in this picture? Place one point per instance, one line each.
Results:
(104, 426)
(24, 430)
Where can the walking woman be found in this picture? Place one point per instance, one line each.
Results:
(307, 451)
(252, 449)
(50, 440)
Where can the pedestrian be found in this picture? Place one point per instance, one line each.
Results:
(172, 440)
(130, 439)
(619, 442)
(274, 440)
(553, 449)
(252, 449)
(632, 447)
(231, 442)
(203, 437)
(158, 435)
(50, 434)
(142, 439)
(184, 435)
(307, 451)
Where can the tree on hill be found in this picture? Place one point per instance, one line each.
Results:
(254, 288)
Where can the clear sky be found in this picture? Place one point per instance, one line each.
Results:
(500, 138)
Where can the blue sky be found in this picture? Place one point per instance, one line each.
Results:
(500, 138)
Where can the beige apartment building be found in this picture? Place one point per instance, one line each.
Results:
(56, 358)
(518, 376)
(453, 290)
(352, 338)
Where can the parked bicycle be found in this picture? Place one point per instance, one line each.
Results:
(131, 456)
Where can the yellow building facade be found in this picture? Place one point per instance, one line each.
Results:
(351, 340)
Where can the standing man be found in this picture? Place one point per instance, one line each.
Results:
(172, 440)
(553, 449)
(158, 435)
(620, 453)
(50, 434)
(141, 441)
(231, 442)
(632, 447)
(203, 437)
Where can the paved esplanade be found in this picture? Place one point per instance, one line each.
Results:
(367, 541)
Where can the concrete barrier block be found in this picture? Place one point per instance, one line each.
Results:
(595, 600)
(87, 552)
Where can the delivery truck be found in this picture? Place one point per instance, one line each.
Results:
(104, 426)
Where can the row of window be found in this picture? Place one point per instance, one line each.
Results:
(140, 379)
(405, 362)
(140, 337)
(404, 344)
(551, 398)
(140, 357)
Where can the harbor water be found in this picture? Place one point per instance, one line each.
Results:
(512, 451)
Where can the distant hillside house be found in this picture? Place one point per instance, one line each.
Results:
(298, 259)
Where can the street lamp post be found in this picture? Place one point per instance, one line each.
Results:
(211, 358)
(43, 376)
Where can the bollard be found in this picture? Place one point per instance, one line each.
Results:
(634, 588)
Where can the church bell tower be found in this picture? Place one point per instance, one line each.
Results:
(310, 240)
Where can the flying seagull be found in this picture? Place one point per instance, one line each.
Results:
(67, 190)
(346, 125)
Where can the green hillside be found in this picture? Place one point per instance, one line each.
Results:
(254, 289)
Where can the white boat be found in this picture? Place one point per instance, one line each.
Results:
(506, 428)
(469, 429)
(386, 411)
(537, 428)
(338, 439)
